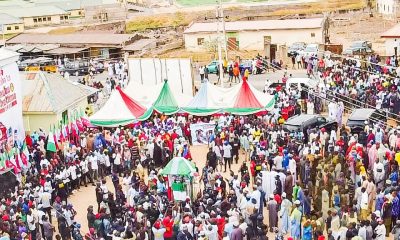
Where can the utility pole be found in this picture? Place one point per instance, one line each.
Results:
(220, 69)
(223, 29)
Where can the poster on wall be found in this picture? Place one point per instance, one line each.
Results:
(12, 131)
(201, 132)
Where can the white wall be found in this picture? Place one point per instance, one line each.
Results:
(153, 71)
(254, 40)
(390, 43)
(386, 7)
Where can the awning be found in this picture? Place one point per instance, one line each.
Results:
(65, 50)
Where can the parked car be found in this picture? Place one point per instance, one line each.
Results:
(356, 121)
(212, 67)
(79, 67)
(303, 122)
(359, 48)
(296, 48)
(311, 49)
(246, 65)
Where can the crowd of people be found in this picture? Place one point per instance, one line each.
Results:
(256, 178)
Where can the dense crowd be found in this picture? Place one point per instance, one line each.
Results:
(311, 184)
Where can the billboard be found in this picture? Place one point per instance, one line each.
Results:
(11, 122)
(153, 71)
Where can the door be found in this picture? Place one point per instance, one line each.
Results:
(232, 44)
(267, 45)
(272, 51)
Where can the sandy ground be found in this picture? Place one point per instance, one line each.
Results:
(86, 196)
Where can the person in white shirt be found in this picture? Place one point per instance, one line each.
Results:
(73, 176)
(227, 155)
(95, 166)
(31, 220)
(45, 200)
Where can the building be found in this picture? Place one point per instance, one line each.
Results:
(48, 98)
(387, 8)
(392, 40)
(37, 16)
(10, 24)
(266, 35)
(106, 45)
(75, 8)
(105, 13)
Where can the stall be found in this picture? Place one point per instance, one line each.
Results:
(180, 173)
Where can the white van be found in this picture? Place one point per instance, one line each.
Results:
(308, 82)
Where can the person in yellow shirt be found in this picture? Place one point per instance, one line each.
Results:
(397, 158)
(225, 65)
(257, 134)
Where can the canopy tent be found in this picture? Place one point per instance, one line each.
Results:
(167, 102)
(241, 99)
(179, 166)
(120, 109)
(208, 100)
(249, 100)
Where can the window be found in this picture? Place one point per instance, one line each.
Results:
(48, 18)
(35, 20)
(66, 17)
(8, 28)
(95, 17)
(312, 34)
(61, 18)
(39, 19)
(200, 41)
(16, 27)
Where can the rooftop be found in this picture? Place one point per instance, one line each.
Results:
(393, 32)
(68, 5)
(32, 11)
(139, 45)
(77, 38)
(257, 25)
(50, 93)
(8, 19)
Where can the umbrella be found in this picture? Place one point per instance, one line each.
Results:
(179, 166)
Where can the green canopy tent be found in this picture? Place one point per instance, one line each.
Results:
(180, 172)
(166, 103)
(179, 166)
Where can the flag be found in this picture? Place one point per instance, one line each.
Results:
(24, 155)
(2, 160)
(79, 125)
(55, 137)
(51, 145)
(84, 119)
(17, 159)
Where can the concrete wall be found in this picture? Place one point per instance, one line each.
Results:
(390, 43)
(254, 40)
(386, 7)
(32, 122)
(13, 28)
(50, 20)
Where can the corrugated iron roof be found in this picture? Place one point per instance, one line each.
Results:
(33, 11)
(50, 92)
(78, 38)
(24, 48)
(65, 50)
(8, 19)
(257, 25)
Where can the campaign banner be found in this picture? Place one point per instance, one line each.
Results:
(201, 132)
(12, 133)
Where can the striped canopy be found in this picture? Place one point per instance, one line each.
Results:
(179, 166)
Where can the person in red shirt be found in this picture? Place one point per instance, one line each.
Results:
(168, 223)
(174, 135)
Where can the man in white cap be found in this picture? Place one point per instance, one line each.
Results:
(236, 233)
(286, 207)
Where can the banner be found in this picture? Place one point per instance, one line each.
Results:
(12, 131)
(201, 132)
